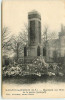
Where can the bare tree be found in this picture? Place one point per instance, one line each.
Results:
(24, 35)
(5, 36)
(45, 35)
(6, 39)
(17, 43)
(14, 44)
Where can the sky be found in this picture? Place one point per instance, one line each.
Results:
(15, 13)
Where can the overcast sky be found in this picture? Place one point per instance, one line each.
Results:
(15, 13)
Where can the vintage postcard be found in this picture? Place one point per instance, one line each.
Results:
(33, 49)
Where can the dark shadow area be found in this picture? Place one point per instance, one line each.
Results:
(32, 79)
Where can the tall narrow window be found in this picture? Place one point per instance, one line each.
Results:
(39, 32)
(38, 51)
(32, 32)
(25, 51)
(44, 51)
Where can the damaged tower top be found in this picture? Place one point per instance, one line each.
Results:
(34, 14)
(34, 25)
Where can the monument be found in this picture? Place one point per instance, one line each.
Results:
(34, 48)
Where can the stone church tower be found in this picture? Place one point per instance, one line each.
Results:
(34, 48)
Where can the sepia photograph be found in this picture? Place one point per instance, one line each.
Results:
(33, 49)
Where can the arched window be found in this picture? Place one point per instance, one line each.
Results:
(44, 51)
(38, 51)
(6, 61)
(25, 51)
